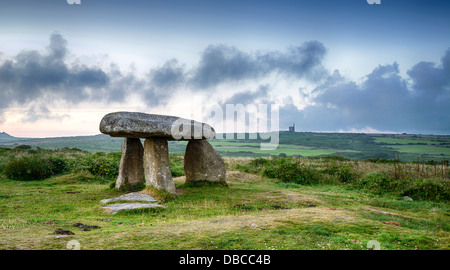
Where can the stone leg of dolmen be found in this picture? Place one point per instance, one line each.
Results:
(203, 163)
(157, 164)
(131, 169)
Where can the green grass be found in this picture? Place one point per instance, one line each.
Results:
(416, 147)
(399, 140)
(252, 213)
(278, 203)
(252, 149)
(420, 149)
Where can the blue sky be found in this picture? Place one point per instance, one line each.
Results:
(331, 65)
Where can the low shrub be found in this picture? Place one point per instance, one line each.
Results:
(378, 182)
(34, 167)
(255, 166)
(57, 165)
(176, 165)
(434, 189)
(102, 164)
(23, 146)
(3, 162)
(380, 160)
(334, 158)
(176, 170)
(294, 172)
(343, 172)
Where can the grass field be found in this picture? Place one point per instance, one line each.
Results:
(254, 212)
(243, 216)
(345, 191)
(358, 146)
(420, 149)
(230, 148)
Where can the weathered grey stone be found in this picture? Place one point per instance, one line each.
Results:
(157, 165)
(134, 196)
(142, 125)
(131, 168)
(202, 162)
(114, 208)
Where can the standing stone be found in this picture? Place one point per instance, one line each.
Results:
(157, 165)
(131, 168)
(202, 162)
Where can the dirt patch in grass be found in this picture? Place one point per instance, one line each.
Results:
(179, 179)
(237, 176)
(263, 220)
(288, 197)
(232, 176)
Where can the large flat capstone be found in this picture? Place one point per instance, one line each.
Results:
(142, 125)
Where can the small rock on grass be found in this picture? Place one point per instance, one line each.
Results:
(394, 223)
(84, 227)
(63, 232)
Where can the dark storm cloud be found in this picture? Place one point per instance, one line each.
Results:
(383, 101)
(31, 75)
(57, 47)
(221, 63)
(427, 77)
(120, 84)
(248, 97)
(42, 112)
(303, 61)
(163, 82)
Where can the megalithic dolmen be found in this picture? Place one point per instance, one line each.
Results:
(150, 164)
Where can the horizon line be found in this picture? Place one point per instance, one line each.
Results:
(280, 131)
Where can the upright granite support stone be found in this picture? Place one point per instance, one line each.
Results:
(157, 165)
(202, 162)
(131, 169)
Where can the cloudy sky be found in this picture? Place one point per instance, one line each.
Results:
(330, 65)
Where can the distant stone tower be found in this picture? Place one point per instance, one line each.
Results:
(292, 128)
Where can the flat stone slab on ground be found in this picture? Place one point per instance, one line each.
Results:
(114, 208)
(135, 196)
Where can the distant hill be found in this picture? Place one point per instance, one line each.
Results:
(5, 137)
(95, 143)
